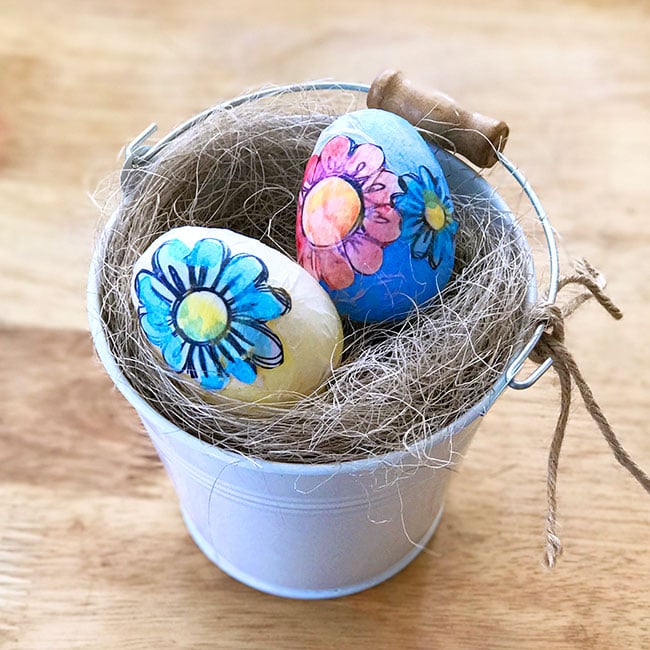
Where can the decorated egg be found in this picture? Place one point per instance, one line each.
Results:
(375, 219)
(238, 317)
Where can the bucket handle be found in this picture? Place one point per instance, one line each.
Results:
(137, 154)
(554, 270)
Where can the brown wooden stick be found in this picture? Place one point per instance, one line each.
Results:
(473, 135)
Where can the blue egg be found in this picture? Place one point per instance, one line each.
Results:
(375, 219)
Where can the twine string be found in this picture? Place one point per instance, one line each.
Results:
(551, 344)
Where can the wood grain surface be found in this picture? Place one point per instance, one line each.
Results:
(93, 552)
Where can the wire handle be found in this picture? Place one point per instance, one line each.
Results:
(138, 153)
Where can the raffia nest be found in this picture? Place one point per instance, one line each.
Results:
(241, 168)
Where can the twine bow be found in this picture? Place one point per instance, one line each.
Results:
(551, 344)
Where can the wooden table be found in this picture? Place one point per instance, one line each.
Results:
(93, 552)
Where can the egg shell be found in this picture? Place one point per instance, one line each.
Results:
(310, 331)
(402, 279)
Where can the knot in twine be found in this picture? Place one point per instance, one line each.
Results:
(551, 345)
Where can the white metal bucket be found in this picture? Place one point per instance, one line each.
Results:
(317, 531)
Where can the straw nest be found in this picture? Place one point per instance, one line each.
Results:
(241, 168)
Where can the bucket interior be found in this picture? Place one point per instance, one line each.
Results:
(131, 377)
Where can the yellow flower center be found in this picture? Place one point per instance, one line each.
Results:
(434, 213)
(202, 316)
(331, 210)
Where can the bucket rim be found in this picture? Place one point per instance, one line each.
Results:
(137, 153)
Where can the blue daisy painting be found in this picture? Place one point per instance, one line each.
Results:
(206, 310)
(427, 216)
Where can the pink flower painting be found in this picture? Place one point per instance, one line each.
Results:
(345, 214)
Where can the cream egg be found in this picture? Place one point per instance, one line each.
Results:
(239, 318)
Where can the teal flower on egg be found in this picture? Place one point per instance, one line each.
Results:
(206, 311)
(427, 216)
